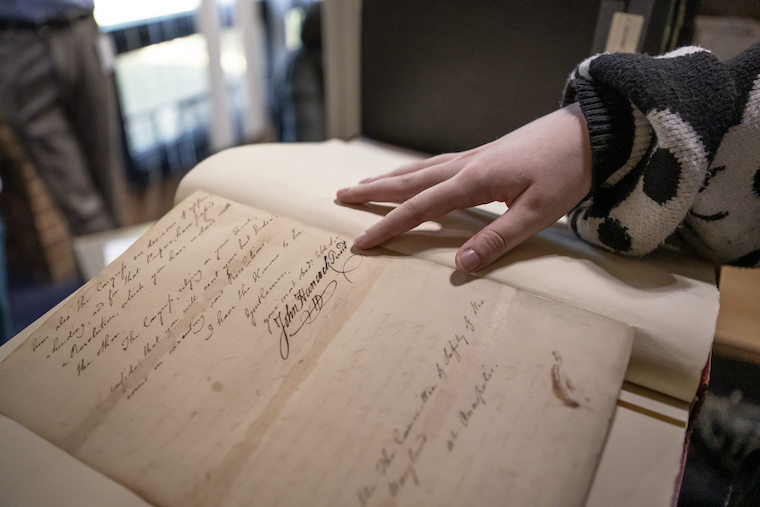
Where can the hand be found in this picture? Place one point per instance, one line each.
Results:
(541, 171)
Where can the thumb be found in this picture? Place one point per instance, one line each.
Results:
(500, 236)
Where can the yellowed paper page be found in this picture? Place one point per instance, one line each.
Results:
(670, 300)
(33, 472)
(231, 357)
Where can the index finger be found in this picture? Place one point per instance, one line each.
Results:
(429, 204)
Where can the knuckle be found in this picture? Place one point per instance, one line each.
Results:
(493, 241)
(443, 157)
(534, 202)
(477, 181)
(414, 208)
(405, 181)
(399, 188)
(475, 171)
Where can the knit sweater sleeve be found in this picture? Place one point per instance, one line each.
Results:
(675, 144)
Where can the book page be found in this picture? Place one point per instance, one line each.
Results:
(232, 357)
(671, 300)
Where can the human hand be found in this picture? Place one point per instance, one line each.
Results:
(541, 171)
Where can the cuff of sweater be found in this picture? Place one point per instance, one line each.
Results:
(611, 127)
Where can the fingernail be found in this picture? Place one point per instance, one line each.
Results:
(343, 191)
(360, 239)
(468, 260)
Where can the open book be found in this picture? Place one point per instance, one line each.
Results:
(240, 355)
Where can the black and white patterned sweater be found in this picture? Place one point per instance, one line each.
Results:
(675, 143)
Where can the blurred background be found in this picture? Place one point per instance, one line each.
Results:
(190, 78)
(193, 77)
